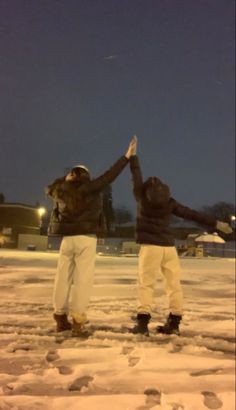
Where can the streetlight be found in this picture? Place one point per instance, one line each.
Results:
(41, 211)
(233, 219)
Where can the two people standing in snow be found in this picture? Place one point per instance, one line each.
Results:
(157, 252)
(76, 216)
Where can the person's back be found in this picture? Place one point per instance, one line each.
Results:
(154, 213)
(77, 217)
(155, 206)
(78, 200)
(77, 210)
(157, 251)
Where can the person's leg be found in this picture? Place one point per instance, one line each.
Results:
(85, 254)
(150, 257)
(64, 277)
(62, 285)
(148, 267)
(171, 272)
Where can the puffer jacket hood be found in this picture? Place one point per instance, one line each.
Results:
(156, 192)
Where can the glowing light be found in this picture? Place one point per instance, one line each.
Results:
(41, 211)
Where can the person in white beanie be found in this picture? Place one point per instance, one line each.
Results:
(76, 216)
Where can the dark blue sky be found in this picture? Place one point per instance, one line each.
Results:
(79, 77)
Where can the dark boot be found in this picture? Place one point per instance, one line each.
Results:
(78, 330)
(171, 326)
(142, 324)
(62, 322)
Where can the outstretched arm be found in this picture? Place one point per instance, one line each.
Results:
(111, 174)
(199, 217)
(136, 176)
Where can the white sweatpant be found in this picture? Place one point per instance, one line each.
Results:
(152, 260)
(75, 271)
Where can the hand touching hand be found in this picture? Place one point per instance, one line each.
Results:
(132, 147)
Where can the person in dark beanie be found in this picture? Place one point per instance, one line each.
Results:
(76, 216)
(157, 252)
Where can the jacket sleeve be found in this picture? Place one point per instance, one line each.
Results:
(107, 178)
(192, 215)
(136, 176)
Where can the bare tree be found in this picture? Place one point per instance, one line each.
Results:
(2, 198)
(108, 210)
(123, 215)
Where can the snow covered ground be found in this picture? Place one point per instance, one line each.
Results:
(114, 370)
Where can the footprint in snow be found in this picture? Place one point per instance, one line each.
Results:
(177, 406)
(19, 346)
(80, 382)
(64, 370)
(153, 397)
(211, 401)
(206, 372)
(52, 355)
(133, 361)
(127, 350)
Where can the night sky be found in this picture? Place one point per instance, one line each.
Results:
(79, 77)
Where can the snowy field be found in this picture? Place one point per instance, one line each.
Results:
(114, 370)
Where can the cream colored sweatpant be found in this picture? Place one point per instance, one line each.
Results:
(75, 274)
(152, 261)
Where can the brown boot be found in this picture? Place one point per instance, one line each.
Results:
(171, 326)
(142, 324)
(78, 330)
(62, 322)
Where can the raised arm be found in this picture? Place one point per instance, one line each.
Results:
(136, 176)
(112, 173)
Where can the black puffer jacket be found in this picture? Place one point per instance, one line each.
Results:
(78, 204)
(153, 219)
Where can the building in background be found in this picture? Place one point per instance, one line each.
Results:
(16, 219)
